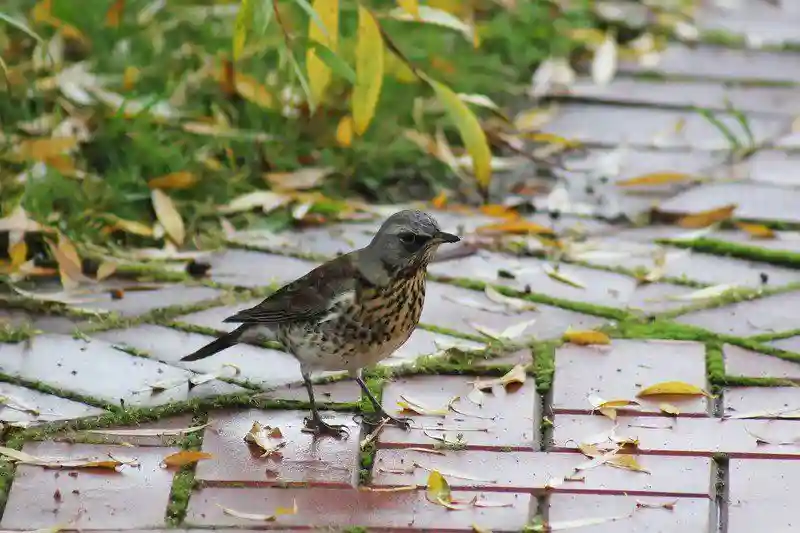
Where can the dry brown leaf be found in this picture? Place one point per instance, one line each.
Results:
(515, 375)
(305, 178)
(655, 178)
(409, 404)
(168, 215)
(259, 436)
(185, 457)
(175, 180)
(673, 388)
(758, 231)
(586, 338)
(516, 227)
(706, 218)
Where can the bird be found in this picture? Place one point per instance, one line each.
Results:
(350, 312)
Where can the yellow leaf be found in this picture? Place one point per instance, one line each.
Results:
(114, 13)
(130, 77)
(555, 273)
(472, 134)
(759, 231)
(249, 89)
(410, 404)
(175, 180)
(369, 70)
(43, 149)
(499, 211)
(185, 457)
(105, 270)
(706, 218)
(243, 18)
(515, 375)
(440, 201)
(344, 132)
(412, 6)
(674, 388)
(305, 178)
(585, 338)
(616, 404)
(319, 74)
(438, 491)
(18, 252)
(626, 461)
(655, 178)
(168, 215)
(669, 409)
(69, 262)
(609, 412)
(129, 226)
(516, 227)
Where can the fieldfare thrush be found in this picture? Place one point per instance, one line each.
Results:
(350, 312)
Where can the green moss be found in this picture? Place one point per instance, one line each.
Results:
(184, 481)
(544, 364)
(742, 251)
(715, 363)
(775, 336)
(9, 333)
(659, 328)
(741, 381)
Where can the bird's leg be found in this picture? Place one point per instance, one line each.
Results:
(315, 424)
(403, 423)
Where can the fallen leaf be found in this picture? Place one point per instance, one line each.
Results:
(44, 149)
(280, 511)
(476, 396)
(259, 436)
(586, 338)
(555, 274)
(516, 227)
(669, 506)
(105, 270)
(305, 178)
(707, 293)
(774, 441)
(409, 404)
(668, 408)
(516, 305)
(185, 457)
(758, 231)
(706, 218)
(515, 375)
(794, 412)
(18, 405)
(128, 226)
(69, 262)
(676, 388)
(655, 179)
(511, 333)
(405, 488)
(624, 461)
(604, 64)
(25, 458)
(266, 200)
(168, 215)
(175, 180)
(438, 492)
(199, 379)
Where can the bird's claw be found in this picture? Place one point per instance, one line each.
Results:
(317, 427)
(402, 423)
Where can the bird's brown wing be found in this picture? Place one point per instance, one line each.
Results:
(306, 298)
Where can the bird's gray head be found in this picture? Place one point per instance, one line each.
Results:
(408, 240)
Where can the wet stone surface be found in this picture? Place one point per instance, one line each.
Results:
(742, 362)
(770, 314)
(246, 268)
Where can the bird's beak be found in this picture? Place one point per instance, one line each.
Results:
(446, 237)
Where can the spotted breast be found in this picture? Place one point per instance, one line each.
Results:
(364, 326)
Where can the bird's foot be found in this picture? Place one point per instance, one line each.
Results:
(317, 427)
(403, 423)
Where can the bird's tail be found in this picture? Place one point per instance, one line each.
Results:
(217, 345)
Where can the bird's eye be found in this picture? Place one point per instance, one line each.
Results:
(407, 237)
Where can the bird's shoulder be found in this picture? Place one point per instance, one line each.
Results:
(309, 296)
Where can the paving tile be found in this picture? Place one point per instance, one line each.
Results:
(622, 369)
(688, 514)
(49, 323)
(134, 497)
(742, 362)
(753, 317)
(261, 366)
(531, 471)
(775, 167)
(343, 391)
(601, 287)
(340, 508)
(610, 125)
(763, 496)
(685, 264)
(164, 440)
(514, 421)
(213, 317)
(760, 23)
(328, 241)
(245, 268)
(770, 402)
(520, 357)
(445, 308)
(74, 365)
(423, 342)
(304, 459)
(790, 344)
(724, 63)
(754, 201)
(702, 94)
(684, 436)
(50, 408)
(137, 302)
